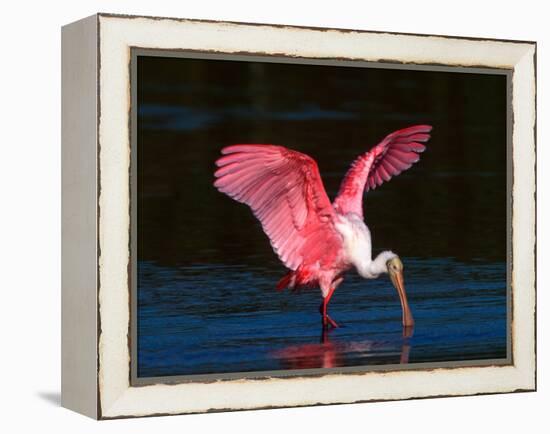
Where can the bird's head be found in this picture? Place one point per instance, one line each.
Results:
(395, 271)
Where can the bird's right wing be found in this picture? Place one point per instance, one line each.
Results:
(393, 155)
(285, 192)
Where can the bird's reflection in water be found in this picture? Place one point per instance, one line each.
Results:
(330, 353)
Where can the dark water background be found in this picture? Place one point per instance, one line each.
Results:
(206, 272)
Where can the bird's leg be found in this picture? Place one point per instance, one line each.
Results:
(327, 320)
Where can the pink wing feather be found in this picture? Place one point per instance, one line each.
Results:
(396, 153)
(285, 192)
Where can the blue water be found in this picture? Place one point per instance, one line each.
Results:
(211, 318)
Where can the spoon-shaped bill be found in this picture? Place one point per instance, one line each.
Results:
(399, 284)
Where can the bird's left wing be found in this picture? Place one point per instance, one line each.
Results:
(285, 192)
(396, 153)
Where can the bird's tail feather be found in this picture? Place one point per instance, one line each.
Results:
(287, 281)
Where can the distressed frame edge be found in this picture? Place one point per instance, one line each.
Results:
(528, 385)
(304, 27)
(79, 181)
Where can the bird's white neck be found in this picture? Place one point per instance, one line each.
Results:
(357, 245)
(370, 269)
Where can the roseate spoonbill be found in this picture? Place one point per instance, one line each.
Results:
(319, 241)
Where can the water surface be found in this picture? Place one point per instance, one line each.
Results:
(213, 318)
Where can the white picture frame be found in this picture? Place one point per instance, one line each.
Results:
(96, 305)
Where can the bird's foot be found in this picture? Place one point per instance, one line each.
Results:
(328, 321)
(325, 317)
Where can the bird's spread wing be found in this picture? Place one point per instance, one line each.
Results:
(396, 153)
(285, 192)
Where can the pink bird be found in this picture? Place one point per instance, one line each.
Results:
(319, 241)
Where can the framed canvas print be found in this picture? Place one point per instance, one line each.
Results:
(260, 216)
